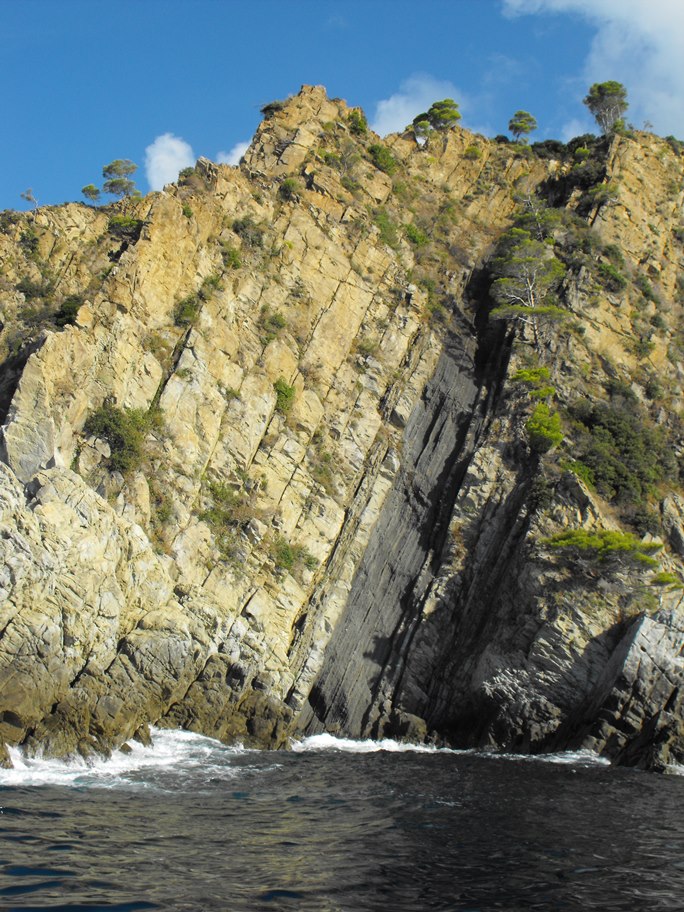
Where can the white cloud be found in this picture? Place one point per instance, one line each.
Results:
(337, 23)
(576, 127)
(638, 43)
(233, 156)
(415, 95)
(165, 157)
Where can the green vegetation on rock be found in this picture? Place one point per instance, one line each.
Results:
(117, 175)
(544, 429)
(626, 454)
(285, 395)
(126, 227)
(604, 545)
(441, 115)
(521, 124)
(526, 274)
(356, 120)
(387, 228)
(382, 158)
(291, 557)
(607, 101)
(251, 233)
(416, 235)
(611, 278)
(187, 310)
(125, 431)
(66, 315)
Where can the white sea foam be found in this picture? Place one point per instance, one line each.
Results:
(175, 756)
(330, 742)
(568, 758)
(327, 742)
(173, 751)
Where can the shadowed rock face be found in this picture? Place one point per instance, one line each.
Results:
(366, 657)
(334, 520)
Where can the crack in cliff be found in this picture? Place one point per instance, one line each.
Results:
(440, 440)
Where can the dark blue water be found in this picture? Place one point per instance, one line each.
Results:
(194, 826)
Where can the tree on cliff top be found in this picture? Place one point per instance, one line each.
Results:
(91, 192)
(521, 124)
(117, 176)
(607, 101)
(440, 116)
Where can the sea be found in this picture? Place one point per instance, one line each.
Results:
(338, 826)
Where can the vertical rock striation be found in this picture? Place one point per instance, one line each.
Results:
(328, 513)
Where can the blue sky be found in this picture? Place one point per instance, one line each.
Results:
(165, 81)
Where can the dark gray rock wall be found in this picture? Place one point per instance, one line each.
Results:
(365, 658)
(503, 648)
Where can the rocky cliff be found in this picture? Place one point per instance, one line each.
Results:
(274, 462)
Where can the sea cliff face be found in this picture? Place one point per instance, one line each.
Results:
(267, 460)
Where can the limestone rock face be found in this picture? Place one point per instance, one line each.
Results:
(322, 510)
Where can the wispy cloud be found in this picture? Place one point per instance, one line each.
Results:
(634, 38)
(576, 127)
(233, 156)
(415, 95)
(165, 157)
(336, 23)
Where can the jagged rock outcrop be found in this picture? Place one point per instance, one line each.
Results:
(327, 513)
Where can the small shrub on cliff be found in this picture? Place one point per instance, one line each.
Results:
(641, 346)
(29, 242)
(31, 289)
(543, 429)
(272, 108)
(579, 469)
(531, 376)
(186, 311)
(289, 189)
(229, 507)
(246, 228)
(8, 220)
(125, 431)
(416, 235)
(677, 145)
(614, 254)
(66, 315)
(611, 278)
(667, 580)
(472, 153)
(626, 454)
(284, 395)
(646, 289)
(547, 148)
(387, 228)
(291, 557)
(604, 545)
(357, 122)
(272, 322)
(231, 256)
(382, 158)
(125, 227)
(322, 470)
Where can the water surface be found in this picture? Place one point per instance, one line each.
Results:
(338, 827)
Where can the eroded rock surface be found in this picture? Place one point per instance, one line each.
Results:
(335, 520)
